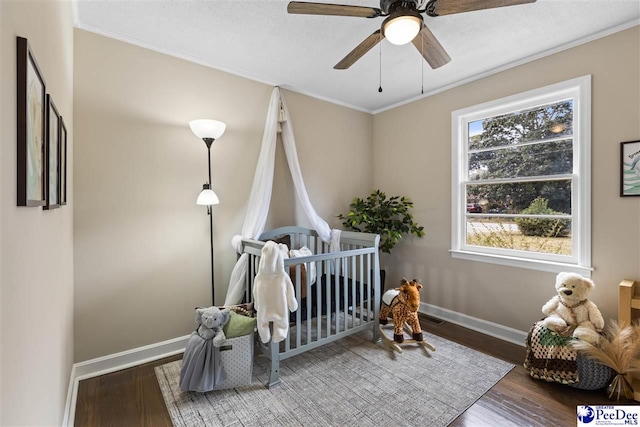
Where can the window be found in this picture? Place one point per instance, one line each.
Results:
(521, 180)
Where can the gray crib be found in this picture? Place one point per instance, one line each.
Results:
(340, 299)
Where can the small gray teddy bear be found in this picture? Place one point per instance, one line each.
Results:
(209, 323)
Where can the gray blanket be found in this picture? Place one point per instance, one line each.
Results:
(201, 368)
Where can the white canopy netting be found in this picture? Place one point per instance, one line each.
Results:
(260, 197)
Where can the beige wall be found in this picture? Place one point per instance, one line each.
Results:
(421, 170)
(141, 243)
(36, 283)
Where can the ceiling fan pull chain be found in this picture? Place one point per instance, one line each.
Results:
(380, 69)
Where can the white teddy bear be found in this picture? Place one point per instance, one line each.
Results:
(571, 309)
(273, 294)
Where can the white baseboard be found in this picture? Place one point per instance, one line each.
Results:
(496, 330)
(116, 362)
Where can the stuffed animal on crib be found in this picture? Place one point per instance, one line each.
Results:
(571, 311)
(209, 323)
(273, 294)
(402, 303)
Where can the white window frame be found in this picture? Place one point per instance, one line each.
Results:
(579, 89)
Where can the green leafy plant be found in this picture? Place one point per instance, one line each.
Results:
(545, 227)
(388, 217)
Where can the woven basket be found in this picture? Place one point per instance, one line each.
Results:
(592, 375)
(550, 357)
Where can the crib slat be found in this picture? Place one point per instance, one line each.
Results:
(254, 260)
(377, 292)
(248, 278)
(345, 294)
(336, 282)
(353, 291)
(298, 312)
(361, 289)
(309, 297)
(327, 273)
(369, 268)
(319, 306)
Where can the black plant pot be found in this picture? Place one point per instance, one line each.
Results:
(383, 275)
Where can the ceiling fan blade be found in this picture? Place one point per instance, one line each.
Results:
(449, 7)
(430, 48)
(359, 51)
(304, 8)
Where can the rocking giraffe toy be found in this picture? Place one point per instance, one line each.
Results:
(402, 304)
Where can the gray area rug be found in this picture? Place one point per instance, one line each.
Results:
(350, 382)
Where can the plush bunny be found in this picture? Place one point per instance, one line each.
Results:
(273, 294)
(209, 323)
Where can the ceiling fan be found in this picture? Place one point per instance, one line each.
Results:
(403, 23)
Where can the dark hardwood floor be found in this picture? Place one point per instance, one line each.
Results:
(517, 399)
(132, 397)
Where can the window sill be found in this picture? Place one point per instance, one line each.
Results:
(553, 267)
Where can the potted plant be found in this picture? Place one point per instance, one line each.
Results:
(389, 217)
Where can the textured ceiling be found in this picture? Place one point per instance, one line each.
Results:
(260, 41)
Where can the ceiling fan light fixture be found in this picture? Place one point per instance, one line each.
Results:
(401, 29)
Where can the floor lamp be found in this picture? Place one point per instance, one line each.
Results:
(208, 131)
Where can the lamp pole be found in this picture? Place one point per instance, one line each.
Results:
(208, 131)
(209, 141)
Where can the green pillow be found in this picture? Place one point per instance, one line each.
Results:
(238, 325)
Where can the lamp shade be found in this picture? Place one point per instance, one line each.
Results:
(207, 196)
(402, 29)
(205, 128)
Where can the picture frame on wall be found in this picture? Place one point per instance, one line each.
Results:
(63, 162)
(53, 156)
(630, 168)
(31, 128)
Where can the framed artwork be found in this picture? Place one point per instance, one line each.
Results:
(31, 115)
(630, 168)
(63, 162)
(53, 156)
